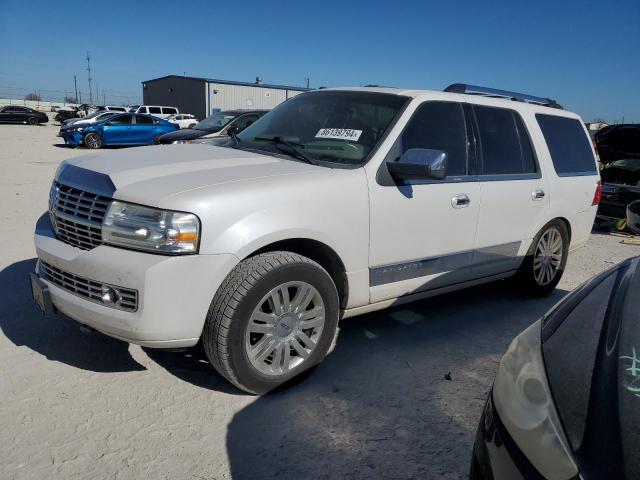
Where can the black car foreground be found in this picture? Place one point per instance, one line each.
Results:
(566, 399)
(619, 150)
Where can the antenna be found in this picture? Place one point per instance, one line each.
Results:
(89, 72)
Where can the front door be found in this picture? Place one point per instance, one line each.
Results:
(423, 231)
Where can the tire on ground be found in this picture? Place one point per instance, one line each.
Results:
(230, 311)
(526, 277)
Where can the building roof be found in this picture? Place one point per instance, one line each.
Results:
(231, 82)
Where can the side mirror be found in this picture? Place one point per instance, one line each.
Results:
(419, 163)
(232, 130)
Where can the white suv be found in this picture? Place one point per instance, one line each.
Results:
(336, 203)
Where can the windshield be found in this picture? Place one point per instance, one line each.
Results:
(215, 122)
(334, 126)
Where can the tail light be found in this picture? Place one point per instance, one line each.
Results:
(597, 196)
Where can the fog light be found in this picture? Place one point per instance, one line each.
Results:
(109, 295)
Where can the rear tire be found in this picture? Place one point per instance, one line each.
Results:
(544, 264)
(93, 141)
(274, 317)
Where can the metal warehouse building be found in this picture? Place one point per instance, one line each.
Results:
(202, 96)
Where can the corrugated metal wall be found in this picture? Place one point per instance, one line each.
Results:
(229, 97)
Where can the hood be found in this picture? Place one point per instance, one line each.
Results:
(184, 134)
(618, 142)
(147, 175)
(591, 349)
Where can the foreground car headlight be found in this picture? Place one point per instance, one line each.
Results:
(150, 229)
(178, 142)
(523, 401)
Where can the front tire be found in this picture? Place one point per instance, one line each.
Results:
(93, 141)
(32, 121)
(545, 262)
(273, 317)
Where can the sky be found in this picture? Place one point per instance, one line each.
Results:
(585, 55)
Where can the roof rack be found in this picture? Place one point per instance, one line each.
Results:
(495, 93)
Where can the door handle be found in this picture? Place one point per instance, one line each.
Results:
(537, 194)
(460, 201)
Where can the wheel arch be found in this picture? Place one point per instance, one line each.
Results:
(317, 251)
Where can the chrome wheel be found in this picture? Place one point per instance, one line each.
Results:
(285, 328)
(92, 141)
(548, 256)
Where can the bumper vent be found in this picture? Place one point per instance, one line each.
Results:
(116, 297)
(77, 215)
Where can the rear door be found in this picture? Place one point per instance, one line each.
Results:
(514, 194)
(145, 130)
(118, 129)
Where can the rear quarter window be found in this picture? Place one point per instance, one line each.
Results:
(568, 145)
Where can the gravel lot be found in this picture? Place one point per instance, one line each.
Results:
(76, 405)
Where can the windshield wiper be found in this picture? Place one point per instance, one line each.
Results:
(292, 146)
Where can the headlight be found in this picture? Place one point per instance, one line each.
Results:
(150, 229)
(80, 129)
(523, 401)
(177, 142)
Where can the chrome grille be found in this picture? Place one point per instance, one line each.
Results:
(77, 215)
(126, 298)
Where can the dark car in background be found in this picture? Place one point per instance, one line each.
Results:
(619, 150)
(565, 403)
(124, 129)
(18, 114)
(216, 125)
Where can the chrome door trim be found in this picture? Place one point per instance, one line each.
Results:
(397, 272)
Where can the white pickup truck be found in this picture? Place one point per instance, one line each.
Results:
(336, 203)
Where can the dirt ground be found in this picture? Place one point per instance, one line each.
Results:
(77, 405)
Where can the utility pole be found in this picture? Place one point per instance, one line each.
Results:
(104, 97)
(97, 92)
(307, 82)
(89, 72)
(75, 86)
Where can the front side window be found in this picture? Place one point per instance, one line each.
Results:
(244, 122)
(504, 142)
(334, 126)
(439, 126)
(154, 110)
(215, 122)
(121, 120)
(568, 145)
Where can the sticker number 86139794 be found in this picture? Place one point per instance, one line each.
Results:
(339, 134)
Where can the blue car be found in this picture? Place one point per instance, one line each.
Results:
(122, 129)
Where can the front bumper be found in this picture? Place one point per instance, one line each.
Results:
(495, 455)
(71, 138)
(174, 292)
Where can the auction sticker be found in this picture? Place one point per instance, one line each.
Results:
(339, 133)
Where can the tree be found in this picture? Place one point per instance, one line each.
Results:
(32, 96)
(70, 100)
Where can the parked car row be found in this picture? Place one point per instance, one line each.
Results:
(179, 128)
(116, 129)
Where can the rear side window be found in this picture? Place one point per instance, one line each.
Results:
(504, 143)
(169, 110)
(142, 120)
(568, 145)
(439, 126)
(142, 110)
(153, 110)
